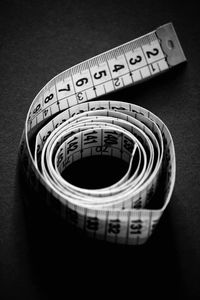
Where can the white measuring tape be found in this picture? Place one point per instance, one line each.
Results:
(62, 127)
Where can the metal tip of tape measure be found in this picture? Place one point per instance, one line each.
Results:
(170, 44)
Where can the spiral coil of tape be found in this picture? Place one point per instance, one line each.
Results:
(63, 127)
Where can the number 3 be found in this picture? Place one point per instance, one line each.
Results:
(136, 60)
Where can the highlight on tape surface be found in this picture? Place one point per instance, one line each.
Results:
(63, 126)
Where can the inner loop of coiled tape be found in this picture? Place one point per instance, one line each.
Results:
(106, 133)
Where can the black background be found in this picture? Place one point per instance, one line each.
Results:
(41, 258)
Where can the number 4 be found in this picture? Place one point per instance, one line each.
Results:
(117, 68)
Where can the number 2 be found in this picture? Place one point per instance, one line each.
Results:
(154, 52)
(116, 82)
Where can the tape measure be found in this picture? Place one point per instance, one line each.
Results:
(63, 127)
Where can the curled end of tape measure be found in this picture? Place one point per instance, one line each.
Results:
(170, 44)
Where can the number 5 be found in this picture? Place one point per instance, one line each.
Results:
(99, 74)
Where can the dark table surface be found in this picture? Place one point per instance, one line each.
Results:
(38, 258)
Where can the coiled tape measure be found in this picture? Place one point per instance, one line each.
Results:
(62, 127)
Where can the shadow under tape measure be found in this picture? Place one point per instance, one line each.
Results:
(64, 261)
